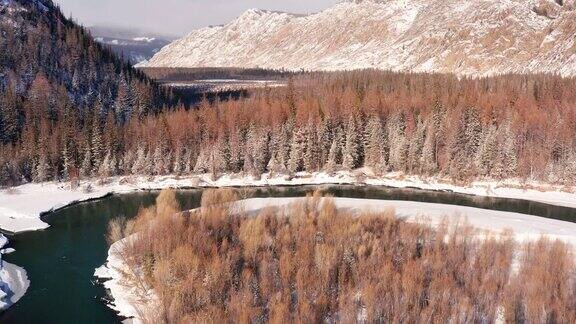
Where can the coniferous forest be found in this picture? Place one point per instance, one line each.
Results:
(70, 109)
(55, 80)
(504, 127)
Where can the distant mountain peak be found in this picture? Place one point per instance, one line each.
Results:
(483, 37)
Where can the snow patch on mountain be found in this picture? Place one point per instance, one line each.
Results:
(483, 37)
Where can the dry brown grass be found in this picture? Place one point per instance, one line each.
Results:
(324, 265)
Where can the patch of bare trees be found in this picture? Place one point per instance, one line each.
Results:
(314, 263)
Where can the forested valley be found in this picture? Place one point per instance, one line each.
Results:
(70, 109)
(422, 124)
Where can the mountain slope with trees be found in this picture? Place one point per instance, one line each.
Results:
(58, 88)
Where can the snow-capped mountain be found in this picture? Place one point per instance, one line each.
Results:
(479, 37)
(133, 45)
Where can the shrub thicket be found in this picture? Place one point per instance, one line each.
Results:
(313, 263)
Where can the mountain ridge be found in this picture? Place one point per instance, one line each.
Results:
(477, 38)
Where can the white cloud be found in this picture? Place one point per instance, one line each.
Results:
(175, 16)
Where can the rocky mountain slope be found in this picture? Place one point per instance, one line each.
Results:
(480, 37)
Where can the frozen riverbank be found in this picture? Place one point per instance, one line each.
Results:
(21, 207)
(128, 298)
(13, 281)
(525, 227)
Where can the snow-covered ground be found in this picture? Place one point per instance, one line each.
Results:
(21, 207)
(128, 299)
(525, 227)
(13, 281)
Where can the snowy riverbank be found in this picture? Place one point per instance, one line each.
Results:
(21, 207)
(525, 227)
(128, 300)
(13, 281)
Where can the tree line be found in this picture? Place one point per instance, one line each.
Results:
(162, 74)
(502, 127)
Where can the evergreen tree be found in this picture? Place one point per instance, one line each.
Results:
(296, 163)
(508, 158)
(428, 161)
(416, 146)
(10, 114)
(149, 163)
(350, 154)
(398, 142)
(104, 169)
(487, 152)
(127, 162)
(42, 168)
(178, 164)
(97, 145)
(86, 166)
(158, 162)
(324, 141)
(188, 161)
(332, 163)
(464, 143)
(139, 165)
(374, 145)
(202, 162)
(67, 160)
(236, 150)
(113, 165)
(312, 150)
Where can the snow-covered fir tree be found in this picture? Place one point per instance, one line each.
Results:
(374, 145)
(178, 163)
(104, 169)
(96, 144)
(86, 166)
(297, 146)
(487, 152)
(311, 158)
(332, 162)
(138, 167)
(416, 147)
(351, 151)
(158, 160)
(42, 168)
(397, 142)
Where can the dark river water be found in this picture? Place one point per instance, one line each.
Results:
(60, 261)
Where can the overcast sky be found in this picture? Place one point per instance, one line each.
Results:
(175, 17)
